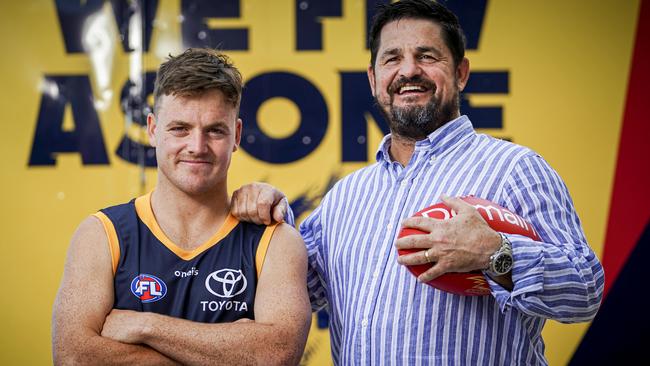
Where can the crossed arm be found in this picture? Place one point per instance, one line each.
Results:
(87, 331)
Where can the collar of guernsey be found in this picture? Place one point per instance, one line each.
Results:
(145, 213)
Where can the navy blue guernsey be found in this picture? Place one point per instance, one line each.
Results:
(213, 283)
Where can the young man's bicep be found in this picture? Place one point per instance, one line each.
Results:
(83, 302)
(281, 297)
(86, 292)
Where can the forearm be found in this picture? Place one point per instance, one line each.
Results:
(237, 343)
(90, 349)
(79, 310)
(554, 282)
(277, 337)
(504, 281)
(559, 277)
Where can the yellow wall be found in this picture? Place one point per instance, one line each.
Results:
(568, 63)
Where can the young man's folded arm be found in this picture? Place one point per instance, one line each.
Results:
(82, 303)
(277, 336)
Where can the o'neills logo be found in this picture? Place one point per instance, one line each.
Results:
(499, 218)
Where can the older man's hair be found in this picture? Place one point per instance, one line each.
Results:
(197, 71)
(418, 9)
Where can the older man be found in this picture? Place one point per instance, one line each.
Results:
(379, 312)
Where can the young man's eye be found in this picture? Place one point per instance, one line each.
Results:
(178, 130)
(217, 131)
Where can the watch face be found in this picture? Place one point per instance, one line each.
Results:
(503, 263)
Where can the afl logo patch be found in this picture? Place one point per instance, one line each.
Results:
(226, 282)
(148, 288)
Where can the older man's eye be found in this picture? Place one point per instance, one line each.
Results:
(390, 60)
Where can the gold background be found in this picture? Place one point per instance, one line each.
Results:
(568, 63)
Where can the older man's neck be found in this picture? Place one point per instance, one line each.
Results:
(401, 148)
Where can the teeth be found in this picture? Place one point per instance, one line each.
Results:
(410, 88)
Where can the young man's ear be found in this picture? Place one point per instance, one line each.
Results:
(151, 129)
(238, 128)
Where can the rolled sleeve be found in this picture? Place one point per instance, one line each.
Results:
(558, 277)
(311, 231)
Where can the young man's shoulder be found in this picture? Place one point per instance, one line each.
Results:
(118, 214)
(120, 207)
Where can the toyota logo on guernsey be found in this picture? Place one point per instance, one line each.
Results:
(148, 288)
(226, 282)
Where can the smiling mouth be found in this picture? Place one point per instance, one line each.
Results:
(407, 89)
(195, 162)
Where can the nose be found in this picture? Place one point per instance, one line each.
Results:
(197, 143)
(409, 67)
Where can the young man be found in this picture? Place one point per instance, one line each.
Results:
(171, 277)
(378, 312)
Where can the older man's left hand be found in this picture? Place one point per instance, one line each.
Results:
(462, 243)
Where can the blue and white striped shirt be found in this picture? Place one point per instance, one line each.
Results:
(380, 313)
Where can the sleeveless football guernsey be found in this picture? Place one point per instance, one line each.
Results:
(213, 283)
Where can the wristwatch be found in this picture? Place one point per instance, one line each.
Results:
(501, 261)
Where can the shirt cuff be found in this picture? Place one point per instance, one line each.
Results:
(527, 271)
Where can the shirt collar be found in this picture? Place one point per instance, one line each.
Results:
(443, 139)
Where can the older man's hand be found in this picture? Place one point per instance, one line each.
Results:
(260, 203)
(463, 243)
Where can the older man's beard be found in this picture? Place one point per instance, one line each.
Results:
(416, 122)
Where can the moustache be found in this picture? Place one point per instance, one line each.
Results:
(417, 79)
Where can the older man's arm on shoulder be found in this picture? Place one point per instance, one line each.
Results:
(277, 336)
(82, 303)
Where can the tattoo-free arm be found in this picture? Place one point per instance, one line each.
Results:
(558, 277)
(82, 302)
(276, 337)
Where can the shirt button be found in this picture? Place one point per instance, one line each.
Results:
(432, 159)
(389, 227)
(364, 323)
(375, 274)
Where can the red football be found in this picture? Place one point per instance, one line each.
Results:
(468, 283)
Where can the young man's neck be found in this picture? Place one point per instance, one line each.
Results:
(188, 219)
